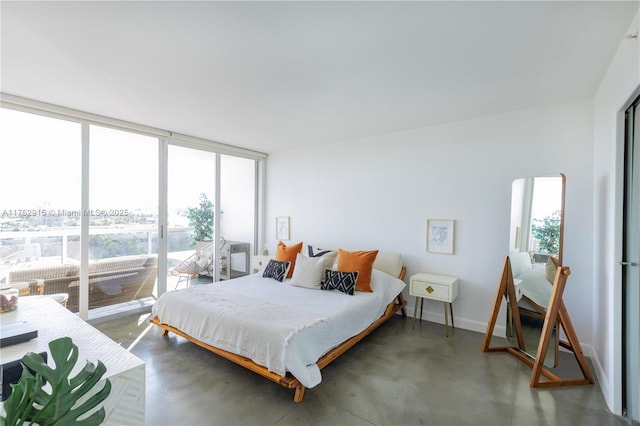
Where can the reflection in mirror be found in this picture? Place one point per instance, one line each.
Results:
(535, 250)
(536, 217)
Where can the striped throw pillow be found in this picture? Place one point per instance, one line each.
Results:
(308, 272)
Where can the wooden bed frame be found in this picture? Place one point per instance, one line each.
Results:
(289, 381)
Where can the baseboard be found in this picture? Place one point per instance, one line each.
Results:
(463, 323)
(602, 380)
(481, 327)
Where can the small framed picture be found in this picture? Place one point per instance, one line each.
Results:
(282, 228)
(440, 235)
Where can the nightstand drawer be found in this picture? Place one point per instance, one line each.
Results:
(430, 290)
(432, 286)
(259, 262)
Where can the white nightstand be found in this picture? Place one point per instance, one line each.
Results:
(435, 287)
(258, 262)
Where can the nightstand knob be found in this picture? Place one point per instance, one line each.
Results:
(429, 289)
(260, 263)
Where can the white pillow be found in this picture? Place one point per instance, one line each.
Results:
(308, 272)
(329, 255)
(329, 261)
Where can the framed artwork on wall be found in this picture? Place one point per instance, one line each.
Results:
(440, 234)
(282, 228)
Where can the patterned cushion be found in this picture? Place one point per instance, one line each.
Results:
(192, 267)
(311, 251)
(286, 253)
(329, 256)
(341, 281)
(309, 272)
(276, 270)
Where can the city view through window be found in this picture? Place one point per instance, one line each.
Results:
(40, 212)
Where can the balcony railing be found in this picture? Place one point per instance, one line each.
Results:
(62, 245)
(123, 265)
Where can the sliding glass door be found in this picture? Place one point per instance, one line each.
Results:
(123, 220)
(84, 209)
(190, 218)
(196, 255)
(630, 264)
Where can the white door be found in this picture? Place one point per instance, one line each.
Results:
(630, 264)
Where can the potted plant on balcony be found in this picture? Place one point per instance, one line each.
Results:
(201, 218)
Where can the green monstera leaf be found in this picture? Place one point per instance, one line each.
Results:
(32, 402)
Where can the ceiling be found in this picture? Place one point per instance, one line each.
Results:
(273, 76)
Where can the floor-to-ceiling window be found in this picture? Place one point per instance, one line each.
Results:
(40, 183)
(123, 217)
(190, 219)
(73, 191)
(198, 179)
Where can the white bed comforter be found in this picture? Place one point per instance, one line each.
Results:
(276, 325)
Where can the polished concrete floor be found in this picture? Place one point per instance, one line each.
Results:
(396, 376)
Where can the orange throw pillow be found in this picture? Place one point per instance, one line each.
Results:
(288, 254)
(361, 261)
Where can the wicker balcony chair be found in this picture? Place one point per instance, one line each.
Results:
(198, 263)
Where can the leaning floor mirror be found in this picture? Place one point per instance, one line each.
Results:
(532, 282)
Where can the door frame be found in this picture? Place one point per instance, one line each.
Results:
(618, 320)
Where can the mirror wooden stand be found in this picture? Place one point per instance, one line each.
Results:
(556, 317)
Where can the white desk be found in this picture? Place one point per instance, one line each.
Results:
(125, 405)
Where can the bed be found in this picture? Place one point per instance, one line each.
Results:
(533, 282)
(283, 332)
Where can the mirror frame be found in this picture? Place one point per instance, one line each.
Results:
(556, 317)
(544, 196)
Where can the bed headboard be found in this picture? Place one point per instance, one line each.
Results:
(389, 262)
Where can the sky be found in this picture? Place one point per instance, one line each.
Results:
(123, 171)
(123, 167)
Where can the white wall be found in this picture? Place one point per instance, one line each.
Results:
(621, 80)
(376, 193)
